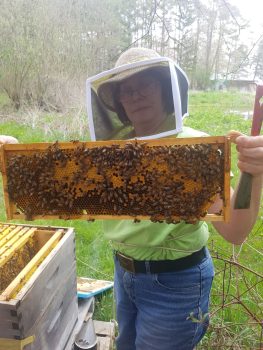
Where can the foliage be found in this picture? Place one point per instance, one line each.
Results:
(48, 48)
(258, 61)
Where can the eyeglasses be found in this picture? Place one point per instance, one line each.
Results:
(145, 89)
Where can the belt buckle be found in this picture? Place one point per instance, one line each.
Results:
(126, 262)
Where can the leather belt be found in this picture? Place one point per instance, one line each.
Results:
(158, 266)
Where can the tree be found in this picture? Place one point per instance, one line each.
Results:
(50, 47)
(258, 62)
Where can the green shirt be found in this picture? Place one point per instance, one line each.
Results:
(157, 241)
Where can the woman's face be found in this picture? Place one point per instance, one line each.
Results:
(141, 97)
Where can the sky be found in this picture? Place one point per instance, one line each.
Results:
(252, 11)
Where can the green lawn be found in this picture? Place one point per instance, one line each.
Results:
(210, 112)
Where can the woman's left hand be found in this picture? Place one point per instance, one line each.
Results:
(250, 154)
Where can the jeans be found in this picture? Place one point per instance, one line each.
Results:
(164, 311)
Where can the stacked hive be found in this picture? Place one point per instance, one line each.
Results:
(38, 296)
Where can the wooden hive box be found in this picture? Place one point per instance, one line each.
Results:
(40, 300)
(161, 180)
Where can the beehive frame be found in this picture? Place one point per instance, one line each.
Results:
(161, 180)
(13, 250)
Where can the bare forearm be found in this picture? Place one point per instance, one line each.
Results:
(242, 220)
(250, 160)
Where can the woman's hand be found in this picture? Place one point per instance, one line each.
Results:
(7, 139)
(250, 154)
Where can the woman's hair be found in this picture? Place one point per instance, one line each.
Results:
(166, 89)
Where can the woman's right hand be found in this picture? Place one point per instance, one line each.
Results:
(7, 139)
(4, 139)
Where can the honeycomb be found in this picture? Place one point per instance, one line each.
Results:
(22, 249)
(162, 181)
(16, 262)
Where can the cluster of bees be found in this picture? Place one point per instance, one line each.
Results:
(164, 183)
(16, 263)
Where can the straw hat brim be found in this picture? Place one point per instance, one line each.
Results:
(106, 91)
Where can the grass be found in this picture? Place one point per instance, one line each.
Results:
(43, 126)
(210, 112)
(214, 112)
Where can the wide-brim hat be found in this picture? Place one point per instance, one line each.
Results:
(132, 62)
